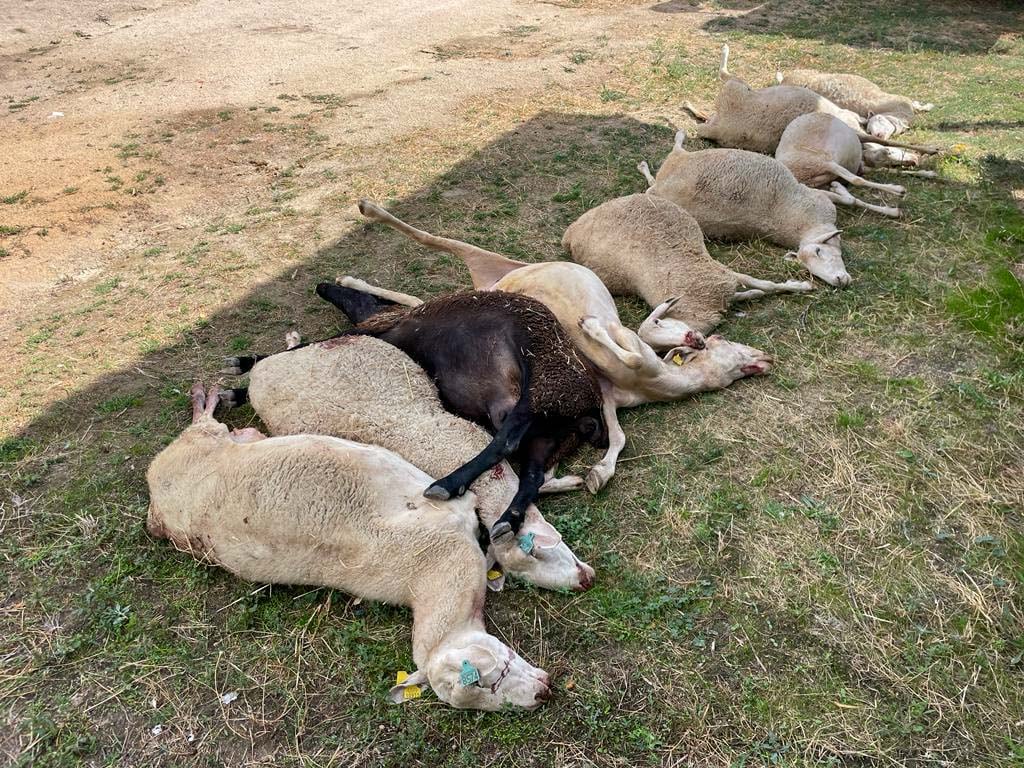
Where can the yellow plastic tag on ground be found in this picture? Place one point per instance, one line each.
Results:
(493, 574)
(677, 359)
(410, 691)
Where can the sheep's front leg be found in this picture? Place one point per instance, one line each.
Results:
(198, 397)
(919, 174)
(748, 295)
(536, 457)
(603, 471)
(859, 181)
(382, 293)
(764, 287)
(502, 445)
(554, 484)
(594, 330)
(841, 195)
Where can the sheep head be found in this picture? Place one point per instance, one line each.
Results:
(546, 562)
(823, 258)
(663, 332)
(886, 126)
(877, 156)
(474, 670)
(722, 362)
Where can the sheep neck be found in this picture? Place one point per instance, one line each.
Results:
(672, 381)
(447, 602)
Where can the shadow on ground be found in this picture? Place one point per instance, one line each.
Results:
(971, 27)
(480, 199)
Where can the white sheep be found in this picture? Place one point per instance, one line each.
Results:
(888, 114)
(631, 372)
(648, 246)
(738, 195)
(818, 149)
(754, 119)
(317, 510)
(363, 389)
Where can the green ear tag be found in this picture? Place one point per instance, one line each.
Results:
(469, 675)
(526, 542)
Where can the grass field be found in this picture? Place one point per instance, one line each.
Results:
(822, 567)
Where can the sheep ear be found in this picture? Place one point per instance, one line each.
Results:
(546, 536)
(495, 573)
(408, 686)
(828, 236)
(481, 658)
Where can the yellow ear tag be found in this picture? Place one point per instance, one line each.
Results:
(678, 359)
(410, 691)
(493, 574)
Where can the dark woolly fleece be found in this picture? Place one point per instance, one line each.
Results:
(561, 380)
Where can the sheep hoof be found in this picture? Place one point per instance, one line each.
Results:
(597, 478)
(437, 493)
(232, 366)
(499, 530)
(227, 399)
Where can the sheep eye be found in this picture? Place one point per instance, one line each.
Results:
(657, 322)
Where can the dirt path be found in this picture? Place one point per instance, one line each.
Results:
(129, 131)
(79, 81)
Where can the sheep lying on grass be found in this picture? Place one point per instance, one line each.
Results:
(362, 389)
(739, 195)
(754, 119)
(498, 359)
(648, 246)
(318, 510)
(818, 149)
(631, 372)
(888, 114)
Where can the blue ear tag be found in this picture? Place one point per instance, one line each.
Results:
(469, 674)
(526, 542)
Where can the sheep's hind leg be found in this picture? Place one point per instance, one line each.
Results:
(502, 445)
(362, 286)
(841, 195)
(538, 452)
(592, 327)
(696, 113)
(603, 471)
(233, 398)
(859, 181)
(645, 169)
(485, 267)
(764, 287)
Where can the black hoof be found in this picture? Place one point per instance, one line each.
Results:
(236, 366)
(500, 529)
(233, 398)
(232, 366)
(437, 492)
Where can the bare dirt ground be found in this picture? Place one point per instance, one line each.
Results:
(185, 92)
